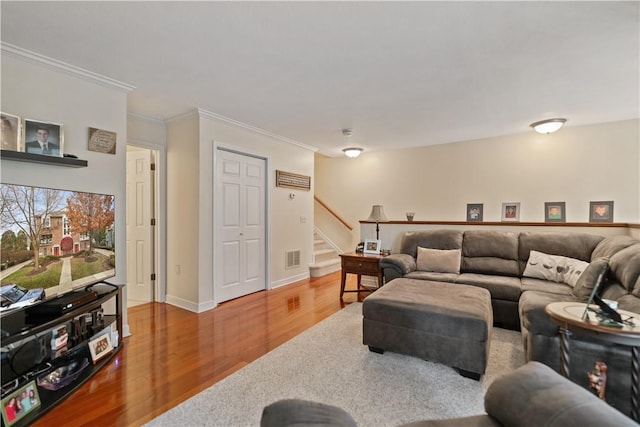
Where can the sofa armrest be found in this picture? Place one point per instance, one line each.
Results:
(402, 263)
(298, 412)
(535, 394)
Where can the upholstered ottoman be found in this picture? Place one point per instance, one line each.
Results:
(442, 322)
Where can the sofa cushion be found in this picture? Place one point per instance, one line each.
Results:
(434, 239)
(438, 260)
(430, 275)
(533, 318)
(572, 245)
(630, 303)
(501, 287)
(297, 412)
(625, 268)
(490, 252)
(612, 245)
(540, 285)
(536, 395)
(554, 268)
(587, 280)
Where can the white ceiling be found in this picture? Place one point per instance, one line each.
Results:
(401, 74)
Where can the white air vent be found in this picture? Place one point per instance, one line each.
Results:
(293, 259)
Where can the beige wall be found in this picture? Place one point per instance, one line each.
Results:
(37, 91)
(191, 143)
(575, 165)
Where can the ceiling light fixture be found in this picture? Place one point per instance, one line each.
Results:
(352, 151)
(548, 126)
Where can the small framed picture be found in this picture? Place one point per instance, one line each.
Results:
(19, 403)
(11, 130)
(372, 246)
(554, 212)
(474, 212)
(511, 211)
(601, 211)
(100, 347)
(43, 138)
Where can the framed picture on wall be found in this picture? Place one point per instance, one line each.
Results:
(43, 138)
(601, 211)
(554, 212)
(511, 211)
(474, 212)
(372, 246)
(11, 130)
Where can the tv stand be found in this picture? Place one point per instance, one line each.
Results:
(29, 352)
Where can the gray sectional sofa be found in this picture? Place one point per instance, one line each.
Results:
(498, 262)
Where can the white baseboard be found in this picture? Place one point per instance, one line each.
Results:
(289, 280)
(190, 305)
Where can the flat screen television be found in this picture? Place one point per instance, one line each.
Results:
(55, 239)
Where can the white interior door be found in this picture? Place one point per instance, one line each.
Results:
(240, 253)
(139, 229)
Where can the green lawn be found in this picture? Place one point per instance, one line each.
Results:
(81, 268)
(48, 278)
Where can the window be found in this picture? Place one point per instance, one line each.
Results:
(65, 226)
(46, 222)
(46, 239)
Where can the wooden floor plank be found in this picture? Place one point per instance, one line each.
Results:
(173, 354)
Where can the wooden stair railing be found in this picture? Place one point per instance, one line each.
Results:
(335, 215)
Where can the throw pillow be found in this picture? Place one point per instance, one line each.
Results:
(438, 260)
(554, 268)
(587, 280)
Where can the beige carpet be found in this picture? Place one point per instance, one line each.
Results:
(328, 363)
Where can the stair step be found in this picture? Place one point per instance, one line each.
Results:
(323, 268)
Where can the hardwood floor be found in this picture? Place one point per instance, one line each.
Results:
(173, 354)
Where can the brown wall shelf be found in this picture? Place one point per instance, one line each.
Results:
(19, 156)
(517, 223)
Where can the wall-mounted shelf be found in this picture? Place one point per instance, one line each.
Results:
(19, 156)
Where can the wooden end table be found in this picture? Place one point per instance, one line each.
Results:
(363, 265)
(568, 315)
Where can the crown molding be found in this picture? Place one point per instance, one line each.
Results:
(142, 117)
(210, 115)
(20, 53)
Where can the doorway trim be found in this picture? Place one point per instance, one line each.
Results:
(160, 208)
(267, 208)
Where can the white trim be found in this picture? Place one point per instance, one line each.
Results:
(190, 305)
(289, 280)
(146, 118)
(327, 241)
(21, 53)
(210, 115)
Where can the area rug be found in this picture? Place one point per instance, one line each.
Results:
(328, 363)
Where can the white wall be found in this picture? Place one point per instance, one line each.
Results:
(36, 91)
(191, 143)
(575, 165)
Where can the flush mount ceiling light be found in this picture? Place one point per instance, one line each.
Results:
(352, 151)
(548, 126)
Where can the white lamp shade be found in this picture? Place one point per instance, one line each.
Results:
(352, 151)
(377, 214)
(548, 126)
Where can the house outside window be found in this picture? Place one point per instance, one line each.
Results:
(65, 226)
(46, 222)
(46, 239)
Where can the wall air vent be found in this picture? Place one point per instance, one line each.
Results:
(292, 259)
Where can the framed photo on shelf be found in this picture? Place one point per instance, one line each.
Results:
(474, 212)
(43, 138)
(601, 211)
(511, 211)
(554, 212)
(372, 246)
(11, 129)
(19, 403)
(100, 347)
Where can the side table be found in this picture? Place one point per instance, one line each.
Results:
(568, 315)
(362, 265)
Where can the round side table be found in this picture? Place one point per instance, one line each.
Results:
(569, 316)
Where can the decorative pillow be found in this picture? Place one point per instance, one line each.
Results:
(587, 280)
(554, 267)
(439, 261)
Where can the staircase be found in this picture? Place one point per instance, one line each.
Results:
(326, 258)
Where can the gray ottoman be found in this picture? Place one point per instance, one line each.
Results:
(442, 322)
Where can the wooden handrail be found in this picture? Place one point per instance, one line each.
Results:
(335, 215)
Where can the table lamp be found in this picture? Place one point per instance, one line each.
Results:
(377, 215)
